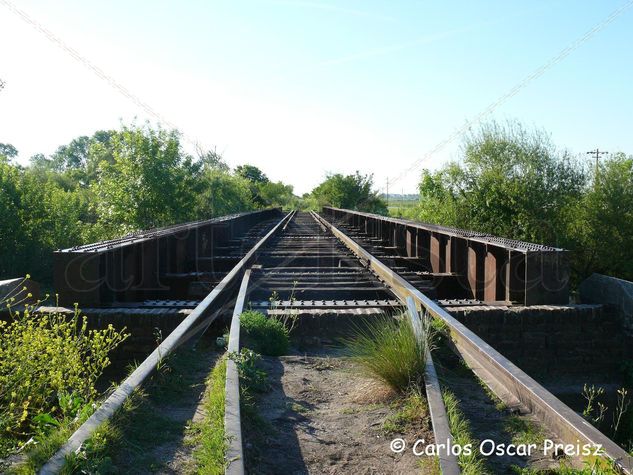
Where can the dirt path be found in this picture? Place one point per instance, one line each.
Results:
(322, 416)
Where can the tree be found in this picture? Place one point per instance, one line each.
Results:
(11, 224)
(7, 151)
(251, 173)
(257, 179)
(222, 193)
(601, 224)
(277, 194)
(210, 159)
(78, 162)
(350, 192)
(511, 182)
(150, 183)
(77, 154)
(36, 216)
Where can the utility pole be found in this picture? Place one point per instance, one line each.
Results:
(596, 154)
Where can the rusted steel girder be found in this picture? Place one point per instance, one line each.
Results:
(136, 267)
(490, 268)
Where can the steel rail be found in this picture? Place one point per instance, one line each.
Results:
(232, 416)
(196, 320)
(449, 464)
(439, 419)
(505, 379)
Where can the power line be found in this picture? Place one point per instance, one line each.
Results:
(517, 88)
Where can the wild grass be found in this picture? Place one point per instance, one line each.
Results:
(209, 438)
(596, 467)
(388, 350)
(267, 336)
(256, 429)
(430, 465)
(473, 463)
(413, 411)
(130, 438)
(38, 454)
(523, 431)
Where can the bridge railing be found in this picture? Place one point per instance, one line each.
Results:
(132, 268)
(490, 268)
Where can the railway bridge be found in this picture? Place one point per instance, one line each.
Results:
(505, 304)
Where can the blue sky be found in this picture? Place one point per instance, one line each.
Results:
(303, 88)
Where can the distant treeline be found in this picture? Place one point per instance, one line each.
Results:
(138, 177)
(513, 182)
(110, 184)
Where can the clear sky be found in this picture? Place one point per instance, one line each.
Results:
(302, 88)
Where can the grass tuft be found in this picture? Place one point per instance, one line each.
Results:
(388, 350)
(267, 336)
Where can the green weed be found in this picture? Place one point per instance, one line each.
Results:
(388, 350)
(209, 436)
(49, 365)
(267, 336)
(523, 431)
(471, 464)
(413, 410)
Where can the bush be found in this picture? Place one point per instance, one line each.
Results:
(265, 335)
(49, 364)
(390, 352)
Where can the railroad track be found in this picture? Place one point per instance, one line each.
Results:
(314, 266)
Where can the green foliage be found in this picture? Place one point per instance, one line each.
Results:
(251, 173)
(150, 182)
(267, 336)
(595, 467)
(414, 410)
(515, 183)
(122, 444)
(45, 447)
(277, 194)
(222, 193)
(252, 379)
(350, 192)
(209, 440)
(265, 193)
(511, 182)
(49, 364)
(601, 223)
(36, 215)
(523, 431)
(79, 160)
(95, 455)
(7, 152)
(390, 352)
(111, 183)
(620, 426)
(461, 431)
